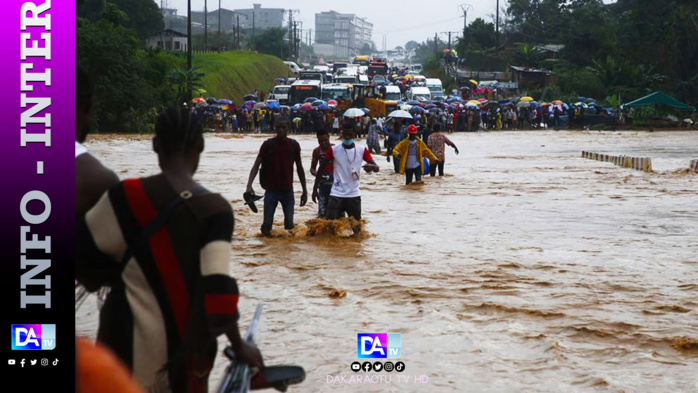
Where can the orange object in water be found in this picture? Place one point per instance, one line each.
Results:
(99, 371)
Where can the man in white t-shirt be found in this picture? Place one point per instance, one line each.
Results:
(347, 158)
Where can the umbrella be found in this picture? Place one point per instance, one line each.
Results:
(413, 103)
(331, 103)
(198, 100)
(534, 103)
(280, 79)
(366, 110)
(260, 105)
(581, 99)
(557, 102)
(400, 114)
(474, 82)
(417, 109)
(273, 105)
(526, 98)
(297, 106)
(482, 100)
(318, 103)
(409, 76)
(211, 100)
(400, 102)
(447, 50)
(474, 102)
(225, 102)
(435, 110)
(492, 104)
(250, 97)
(430, 106)
(406, 107)
(305, 107)
(524, 104)
(454, 99)
(323, 107)
(311, 99)
(470, 105)
(354, 112)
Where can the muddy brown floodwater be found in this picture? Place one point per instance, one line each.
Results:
(525, 269)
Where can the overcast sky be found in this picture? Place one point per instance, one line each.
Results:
(400, 21)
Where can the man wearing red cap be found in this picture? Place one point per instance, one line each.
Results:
(411, 154)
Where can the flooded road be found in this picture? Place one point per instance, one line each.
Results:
(525, 269)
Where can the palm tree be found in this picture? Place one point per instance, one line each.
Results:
(182, 79)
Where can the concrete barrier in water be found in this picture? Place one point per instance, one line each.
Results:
(638, 163)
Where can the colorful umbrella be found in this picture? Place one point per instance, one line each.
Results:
(354, 112)
(417, 109)
(366, 110)
(429, 106)
(526, 98)
(273, 105)
(332, 103)
(447, 50)
(474, 82)
(224, 101)
(305, 107)
(474, 102)
(482, 100)
(280, 79)
(198, 100)
(318, 103)
(557, 102)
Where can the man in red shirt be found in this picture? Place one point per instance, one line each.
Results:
(276, 158)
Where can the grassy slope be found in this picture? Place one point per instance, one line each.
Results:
(232, 75)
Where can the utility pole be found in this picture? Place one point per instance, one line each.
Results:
(436, 44)
(465, 8)
(205, 24)
(497, 33)
(236, 35)
(291, 34)
(219, 26)
(449, 37)
(253, 32)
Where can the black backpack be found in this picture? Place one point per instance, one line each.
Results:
(264, 168)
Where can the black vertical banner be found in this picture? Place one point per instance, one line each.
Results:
(37, 203)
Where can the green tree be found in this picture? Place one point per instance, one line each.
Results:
(143, 15)
(411, 45)
(271, 42)
(179, 78)
(130, 82)
(479, 35)
(528, 56)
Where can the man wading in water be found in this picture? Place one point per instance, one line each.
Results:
(437, 144)
(345, 196)
(411, 154)
(171, 295)
(276, 158)
(327, 177)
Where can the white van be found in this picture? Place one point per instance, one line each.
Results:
(419, 93)
(420, 80)
(436, 87)
(293, 67)
(392, 93)
(281, 93)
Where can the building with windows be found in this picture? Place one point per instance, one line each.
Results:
(229, 19)
(347, 33)
(168, 40)
(263, 18)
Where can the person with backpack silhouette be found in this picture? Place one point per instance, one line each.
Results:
(274, 164)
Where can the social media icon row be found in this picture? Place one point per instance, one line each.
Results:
(32, 362)
(377, 367)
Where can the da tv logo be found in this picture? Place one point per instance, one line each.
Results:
(378, 346)
(33, 337)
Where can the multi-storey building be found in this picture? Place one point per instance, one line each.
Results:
(347, 33)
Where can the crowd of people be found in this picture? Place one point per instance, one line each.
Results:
(161, 244)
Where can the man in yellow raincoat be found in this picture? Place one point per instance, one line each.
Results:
(411, 153)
